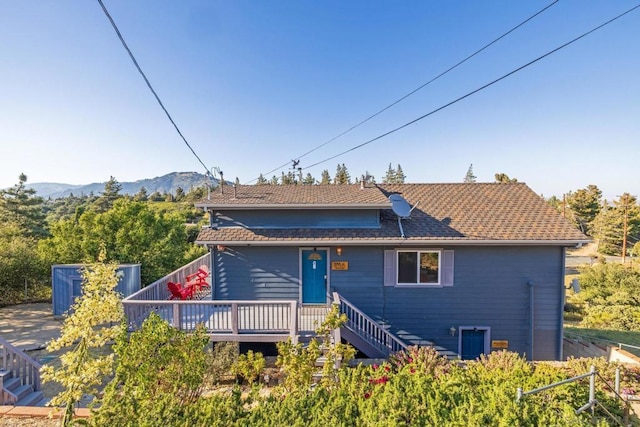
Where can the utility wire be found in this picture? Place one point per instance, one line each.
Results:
(416, 89)
(475, 91)
(115, 27)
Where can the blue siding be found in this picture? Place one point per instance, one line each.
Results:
(257, 273)
(490, 290)
(66, 281)
(335, 218)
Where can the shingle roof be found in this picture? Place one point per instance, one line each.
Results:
(447, 213)
(264, 196)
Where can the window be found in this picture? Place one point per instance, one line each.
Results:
(418, 267)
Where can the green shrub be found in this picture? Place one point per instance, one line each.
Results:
(249, 366)
(223, 356)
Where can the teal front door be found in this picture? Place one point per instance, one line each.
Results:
(472, 343)
(314, 277)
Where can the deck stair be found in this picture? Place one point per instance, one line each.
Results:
(372, 338)
(19, 377)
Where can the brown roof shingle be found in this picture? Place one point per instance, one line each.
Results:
(447, 213)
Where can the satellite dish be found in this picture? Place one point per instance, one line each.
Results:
(400, 206)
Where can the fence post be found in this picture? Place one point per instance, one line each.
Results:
(294, 321)
(617, 385)
(234, 318)
(519, 394)
(592, 391)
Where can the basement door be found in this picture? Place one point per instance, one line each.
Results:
(314, 276)
(472, 343)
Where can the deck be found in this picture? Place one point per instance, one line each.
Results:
(254, 320)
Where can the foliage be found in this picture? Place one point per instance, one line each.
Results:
(504, 178)
(609, 297)
(342, 175)
(297, 363)
(469, 176)
(584, 205)
(20, 206)
(223, 356)
(394, 176)
(160, 372)
(249, 366)
(130, 232)
(261, 180)
(97, 319)
(618, 226)
(110, 194)
(325, 178)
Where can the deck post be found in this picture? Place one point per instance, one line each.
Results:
(234, 318)
(294, 321)
(176, 316)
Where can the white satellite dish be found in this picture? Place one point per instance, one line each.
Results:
(400, 206)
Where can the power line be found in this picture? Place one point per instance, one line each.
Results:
(115, 27)
(417, 89)
(474, 91)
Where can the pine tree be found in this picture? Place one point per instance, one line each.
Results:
(325, 178)
(141, 195)
(21, 206)
(390, 176)
(342, 175)
(584, 205)
(617, 227)
(110, 194)
(400, 176)
(309, 179)
(274, 180)
(261, 180)
(470, 177)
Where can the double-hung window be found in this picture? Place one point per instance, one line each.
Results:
(418, 267)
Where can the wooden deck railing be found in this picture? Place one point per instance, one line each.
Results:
(223, 320)
(21, 366)
(367, 328)
(158, 290)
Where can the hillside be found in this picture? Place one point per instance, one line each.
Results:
(163, 184)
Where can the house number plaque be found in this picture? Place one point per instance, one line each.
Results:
(499, 344)
(339, 265)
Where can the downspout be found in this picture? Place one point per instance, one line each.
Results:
(531, 313)
(562, 300)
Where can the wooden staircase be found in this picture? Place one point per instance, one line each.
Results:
(19, 377)
(371, 338)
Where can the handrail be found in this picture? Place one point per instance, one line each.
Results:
(593, 402)
(367, 328)
(20, 365)
(158, 289)
(620, 345)
(232, 317)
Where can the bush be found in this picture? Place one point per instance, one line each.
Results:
(249, 366)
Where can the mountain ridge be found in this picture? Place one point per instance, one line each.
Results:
(168, 183)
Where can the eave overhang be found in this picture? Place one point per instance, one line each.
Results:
(239, 207)
(394, 242)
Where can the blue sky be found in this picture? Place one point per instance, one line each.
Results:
(254, 84)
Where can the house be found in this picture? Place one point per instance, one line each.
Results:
(468, 267)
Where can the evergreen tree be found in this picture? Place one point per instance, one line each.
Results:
(325, 178)
(179, 194)
(309, 179)
(390, 176)
(289, 178)
(110, 194)
(274, 180)
(237, 181)
(261, 180)
(141, 195)
(400, 176)
(21, 206)
(617, 227)
(585, 206)
(342, 175)
(470, 177)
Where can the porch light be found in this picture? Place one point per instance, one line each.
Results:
(339, 250)
(452, 331)
(221, 248)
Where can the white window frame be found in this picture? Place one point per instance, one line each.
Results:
(418, 252)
